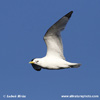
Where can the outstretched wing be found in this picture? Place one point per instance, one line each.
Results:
(52, 37)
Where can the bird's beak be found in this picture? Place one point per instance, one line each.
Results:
(31, 62)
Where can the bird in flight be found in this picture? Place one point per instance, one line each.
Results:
(54, 58)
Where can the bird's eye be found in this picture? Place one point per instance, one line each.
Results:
(37, 61)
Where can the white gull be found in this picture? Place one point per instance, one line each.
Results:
(54, 58)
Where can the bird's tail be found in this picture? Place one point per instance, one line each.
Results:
(75, 65)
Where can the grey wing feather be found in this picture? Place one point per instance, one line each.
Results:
(52, 37)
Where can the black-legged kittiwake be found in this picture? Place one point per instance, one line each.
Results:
(54, 58)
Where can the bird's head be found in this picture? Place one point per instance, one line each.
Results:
(34, 61)
(35, 64)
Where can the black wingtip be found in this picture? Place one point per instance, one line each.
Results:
(69, 14)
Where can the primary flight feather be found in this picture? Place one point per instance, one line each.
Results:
(54, 58)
